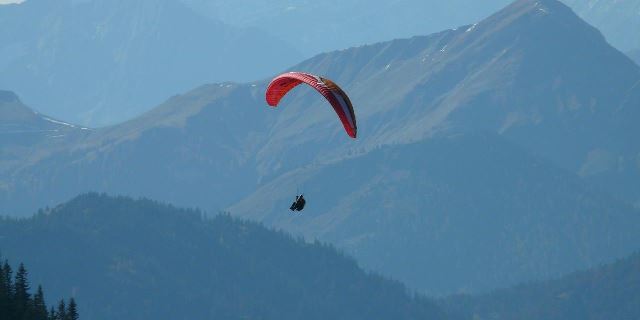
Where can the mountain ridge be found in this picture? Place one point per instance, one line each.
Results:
(101, 62)
(27, 136)
(635, 56)
(110, 253)
(604, 292)
(616, 19)
(430, 99)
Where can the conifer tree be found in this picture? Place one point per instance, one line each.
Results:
(72, 311)
(52, 314)
(61, 314)
(39, 306)
(6, 273)
(6, 294)
(21, 295)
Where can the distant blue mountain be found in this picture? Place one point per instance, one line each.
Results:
(100, 62)
(619, 20)
(608, 292)
(339, 24)
(344, 19)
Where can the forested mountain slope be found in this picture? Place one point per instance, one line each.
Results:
(610, 292)
(138, 259)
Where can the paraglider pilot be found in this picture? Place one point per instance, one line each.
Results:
(298, 205)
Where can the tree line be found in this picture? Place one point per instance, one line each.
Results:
(17, 303)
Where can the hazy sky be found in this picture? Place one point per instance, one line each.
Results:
(10, 1)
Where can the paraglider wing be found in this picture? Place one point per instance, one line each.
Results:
(338, 99)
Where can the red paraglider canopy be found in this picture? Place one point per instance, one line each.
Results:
(338, 99)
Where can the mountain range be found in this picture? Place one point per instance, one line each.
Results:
(100, 62)
(618, 20)
(488, 155)
(343, 20)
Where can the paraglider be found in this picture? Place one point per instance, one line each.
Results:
(337, 98)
